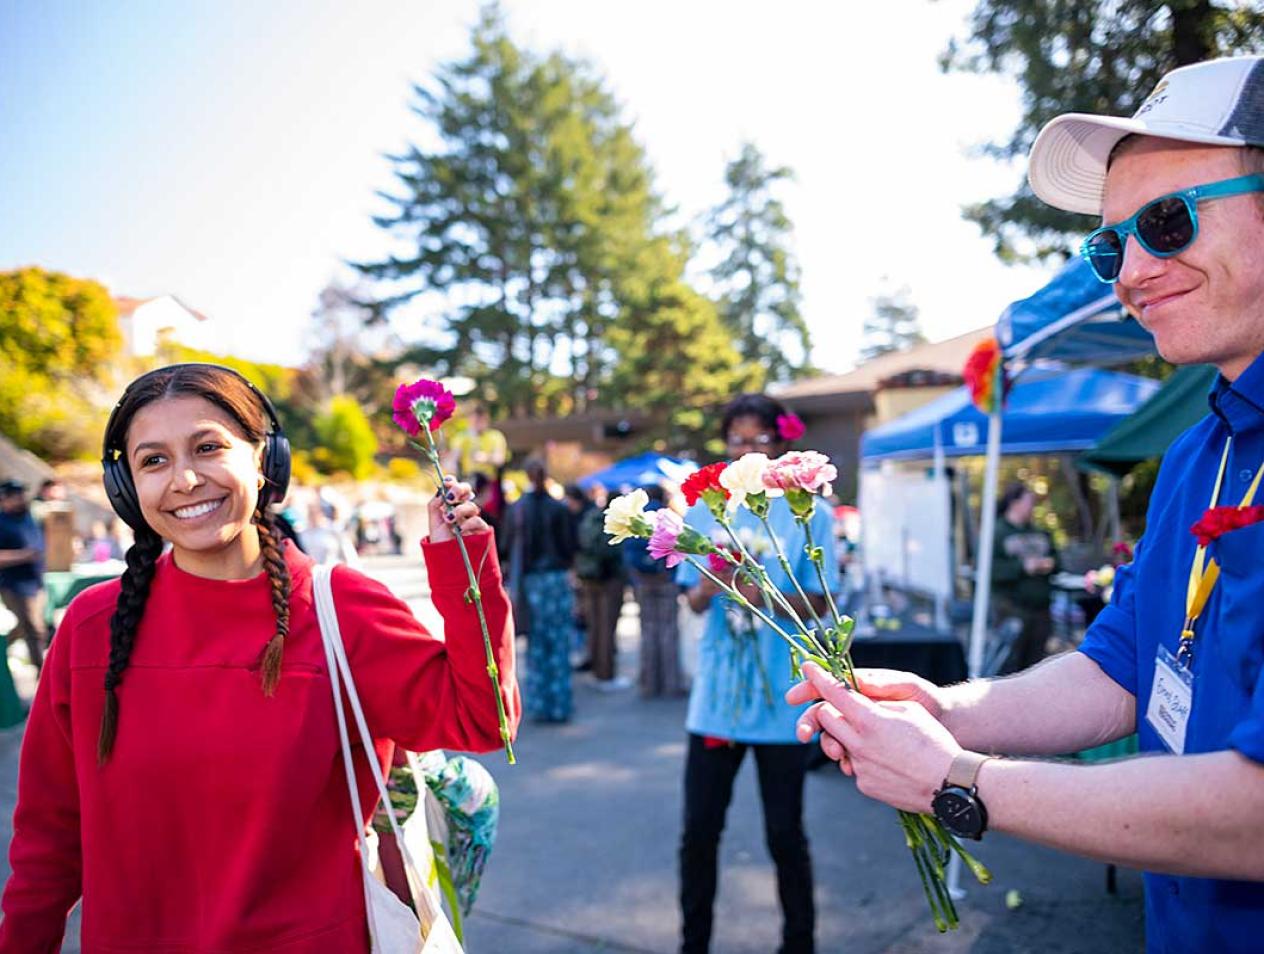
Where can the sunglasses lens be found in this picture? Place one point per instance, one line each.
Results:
(1166, 227)
(1105, 253)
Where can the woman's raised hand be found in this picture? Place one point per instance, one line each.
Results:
(453, 507)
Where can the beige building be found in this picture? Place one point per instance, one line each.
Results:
(838, 408)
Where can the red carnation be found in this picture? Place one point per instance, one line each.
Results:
(1217, 521)
(708, 478)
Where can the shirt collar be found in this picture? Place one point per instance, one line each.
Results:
(1240, 404)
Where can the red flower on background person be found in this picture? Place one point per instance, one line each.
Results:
(1217, 521)
(703, 482)
(790, 427)
(423, 403)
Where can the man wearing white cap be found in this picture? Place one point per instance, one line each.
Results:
(1178, 655)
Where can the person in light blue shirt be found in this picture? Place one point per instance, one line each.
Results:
(1178, 655)
(737, 700)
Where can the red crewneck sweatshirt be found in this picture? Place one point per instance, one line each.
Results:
(220, 822)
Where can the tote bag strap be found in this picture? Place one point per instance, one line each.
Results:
(340, 679)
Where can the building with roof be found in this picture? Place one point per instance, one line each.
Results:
(147, 323)
(838, 408)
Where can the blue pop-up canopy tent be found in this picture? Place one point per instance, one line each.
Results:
(1075, 319)
(1046, 413)
(639, 471)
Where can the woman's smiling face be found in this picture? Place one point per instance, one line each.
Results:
(197, 479)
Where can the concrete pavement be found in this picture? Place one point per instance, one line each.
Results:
(585, 858)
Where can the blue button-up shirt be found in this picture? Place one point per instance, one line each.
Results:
(740, 684)
(1147, 611)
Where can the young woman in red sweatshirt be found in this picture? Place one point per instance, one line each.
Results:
(181, 769)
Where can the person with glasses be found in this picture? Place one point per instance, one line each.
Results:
(737, 699)
(1178, 655)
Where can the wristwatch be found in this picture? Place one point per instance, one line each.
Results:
(957, 804)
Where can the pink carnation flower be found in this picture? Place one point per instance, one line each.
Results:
(667, 527)
(801, 470)
(790, 427)
(423, 402)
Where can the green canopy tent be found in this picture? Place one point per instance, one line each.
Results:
(1149, 431)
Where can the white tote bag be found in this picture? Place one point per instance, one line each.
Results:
(393, 928)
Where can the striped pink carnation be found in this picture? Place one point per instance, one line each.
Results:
(801, 470)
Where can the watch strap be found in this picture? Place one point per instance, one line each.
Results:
(965, 769)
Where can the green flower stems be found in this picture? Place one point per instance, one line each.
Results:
(927, 839)
(747, 605)
(785, 566)
(474, 595)
(843, 626)
(772, 595)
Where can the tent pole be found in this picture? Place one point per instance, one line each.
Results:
(982, 588)
(942, 624)
(987, 530)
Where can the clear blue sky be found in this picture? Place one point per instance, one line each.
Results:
(228, 152)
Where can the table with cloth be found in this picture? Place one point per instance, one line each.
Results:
(937, 656)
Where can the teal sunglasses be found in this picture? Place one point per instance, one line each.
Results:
(1164, 227)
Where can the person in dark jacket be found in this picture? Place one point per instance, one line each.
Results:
(541, 546)
(1023, 561)
(599, 569)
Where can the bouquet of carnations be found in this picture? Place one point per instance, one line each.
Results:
(823, 638)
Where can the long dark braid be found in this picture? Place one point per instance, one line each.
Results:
(142, 557)
(279, 576)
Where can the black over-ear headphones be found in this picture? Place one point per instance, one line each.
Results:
(121, 490)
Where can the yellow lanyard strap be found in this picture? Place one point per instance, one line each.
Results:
(1202, 579)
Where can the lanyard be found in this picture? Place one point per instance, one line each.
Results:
(1204, 573)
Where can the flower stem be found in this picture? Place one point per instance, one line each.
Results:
(843, 649)
(746, 604)
(785, 566)
(772, 595)
(476, 595)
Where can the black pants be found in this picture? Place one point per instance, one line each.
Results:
(709, 775)
(1030, 646)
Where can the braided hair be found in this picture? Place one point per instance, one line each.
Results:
(228, 392)
(279, 577)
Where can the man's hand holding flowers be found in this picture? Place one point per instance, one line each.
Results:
(879, 734)
(875, 740)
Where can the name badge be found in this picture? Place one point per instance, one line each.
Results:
(1171, 698)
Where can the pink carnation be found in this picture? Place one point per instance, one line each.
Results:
(801, 470)
(790, 427)
(422, 402)
(667, 527)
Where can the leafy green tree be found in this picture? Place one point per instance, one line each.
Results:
(59, 340)
(344, 439)
(1097, 56)
(757, 279)
(893, 325)
(675, 355)
(514, 225)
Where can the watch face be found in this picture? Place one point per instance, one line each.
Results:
(960, 812)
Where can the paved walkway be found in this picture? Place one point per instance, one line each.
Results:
(585, 860)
